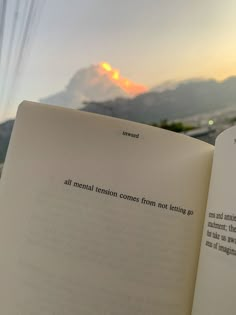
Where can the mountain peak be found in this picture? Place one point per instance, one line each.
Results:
(129, 87)
(98, 82)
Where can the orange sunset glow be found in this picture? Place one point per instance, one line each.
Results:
(128, 86)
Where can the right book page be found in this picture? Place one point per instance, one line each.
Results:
(216, 279)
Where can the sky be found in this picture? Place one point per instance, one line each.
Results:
(149, 41)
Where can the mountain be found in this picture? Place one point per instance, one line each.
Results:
(173, 84)
(96, 83)
(5, 133)
(166, 85)
(188, 98)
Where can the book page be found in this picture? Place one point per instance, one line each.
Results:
(99, 216)
(216, 280)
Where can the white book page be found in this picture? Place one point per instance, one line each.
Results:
(216, 280)
(95, 221)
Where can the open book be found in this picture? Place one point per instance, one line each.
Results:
(101, 216)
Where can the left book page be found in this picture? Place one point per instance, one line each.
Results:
(99, 216)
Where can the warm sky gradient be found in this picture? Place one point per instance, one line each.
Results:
(150, 41)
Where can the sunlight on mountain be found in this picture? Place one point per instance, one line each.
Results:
(126, 85)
